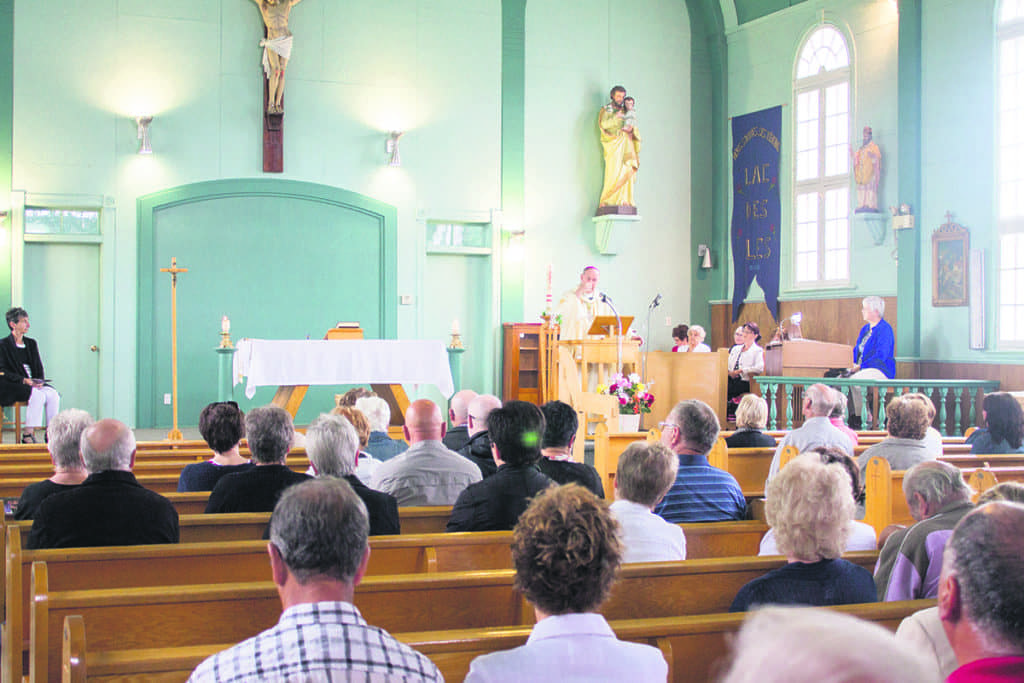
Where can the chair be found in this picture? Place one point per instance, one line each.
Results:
(15, 420)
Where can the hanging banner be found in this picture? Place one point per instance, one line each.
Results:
(756, 207)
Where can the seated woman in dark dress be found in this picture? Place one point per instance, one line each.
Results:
(63, 436)
(751, 418)
(222, 426)
(1004, 426)
(809, 506)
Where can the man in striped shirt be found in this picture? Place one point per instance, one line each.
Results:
(701, 493)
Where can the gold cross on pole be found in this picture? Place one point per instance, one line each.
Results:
(175, 433)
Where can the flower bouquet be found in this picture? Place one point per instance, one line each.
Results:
(633, 396)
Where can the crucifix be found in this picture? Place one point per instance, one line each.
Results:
(175, 433)
(277, 50)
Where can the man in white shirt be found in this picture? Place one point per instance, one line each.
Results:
(644, 475)
(817, 429)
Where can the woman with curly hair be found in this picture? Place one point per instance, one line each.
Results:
(1004, 426)
(908, 419)
(809, 506)
(566, 551)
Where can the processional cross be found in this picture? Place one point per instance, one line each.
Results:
(175, 433)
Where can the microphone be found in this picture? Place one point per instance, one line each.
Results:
(605, 298)
(657, 301)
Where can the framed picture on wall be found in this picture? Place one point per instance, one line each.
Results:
(950, 243)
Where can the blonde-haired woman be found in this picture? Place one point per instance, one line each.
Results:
(809, 507)
(751, 418)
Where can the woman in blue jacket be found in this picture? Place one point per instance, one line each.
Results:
(874, 354)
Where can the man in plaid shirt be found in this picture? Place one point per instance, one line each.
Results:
(318, 554)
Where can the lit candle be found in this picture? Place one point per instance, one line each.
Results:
(225, 325)
(455, 326)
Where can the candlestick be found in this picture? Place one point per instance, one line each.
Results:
(455, 327)
(225, 324)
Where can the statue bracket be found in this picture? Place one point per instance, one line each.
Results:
(612, 231)
(875, 224)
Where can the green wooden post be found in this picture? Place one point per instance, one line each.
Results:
(455, 363)
(225, 372)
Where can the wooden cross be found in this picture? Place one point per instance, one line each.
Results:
(175, 433)
(949, 217)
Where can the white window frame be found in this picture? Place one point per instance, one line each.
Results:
(1010, 251)
(822, 185)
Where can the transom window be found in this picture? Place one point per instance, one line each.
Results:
(1010, 322)
(821, 92)
(45, 221)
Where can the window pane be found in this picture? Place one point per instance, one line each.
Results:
(1011, 9)
(825, 50)
(42, 221)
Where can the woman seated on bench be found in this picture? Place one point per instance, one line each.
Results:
(810, 508)
(1004, 426)
(862, 536)
(566, 551)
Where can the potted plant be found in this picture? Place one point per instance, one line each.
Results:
(634, 400)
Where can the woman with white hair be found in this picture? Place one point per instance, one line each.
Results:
(695, 340)
(378, 412)
(789, 645)
(873, 354)
(810, 508)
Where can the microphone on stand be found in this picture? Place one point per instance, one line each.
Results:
(656, 302)
(605, 298)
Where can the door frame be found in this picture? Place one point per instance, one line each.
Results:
(492, 219)
(107, 207)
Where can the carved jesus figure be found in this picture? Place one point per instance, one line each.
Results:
(277, 48)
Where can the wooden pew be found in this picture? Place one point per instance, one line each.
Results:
(608, 446)
(128, 566)
(692, 645)
(171, 616)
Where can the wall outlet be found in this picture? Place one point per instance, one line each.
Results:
(668, 321)
(167, 399)
(406, 299)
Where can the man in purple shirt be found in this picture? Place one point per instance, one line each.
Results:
(911, 559)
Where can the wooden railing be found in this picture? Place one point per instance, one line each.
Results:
(957, 402)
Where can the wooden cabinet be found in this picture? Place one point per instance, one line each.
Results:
(522, 358)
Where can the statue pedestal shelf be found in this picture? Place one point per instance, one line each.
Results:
(613, 231)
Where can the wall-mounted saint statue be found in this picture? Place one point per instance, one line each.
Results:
(620, 139)
(867, 171)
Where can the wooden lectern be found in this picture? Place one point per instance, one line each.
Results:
(290, 397)
(805, 358)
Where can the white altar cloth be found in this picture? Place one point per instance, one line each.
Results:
(267, 362)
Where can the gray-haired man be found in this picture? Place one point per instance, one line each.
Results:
(318, 555)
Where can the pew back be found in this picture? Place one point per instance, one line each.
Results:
(190, 615)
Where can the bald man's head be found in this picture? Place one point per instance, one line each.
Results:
(479, 409)
(423, 422)
(108, 445)
(458, 407)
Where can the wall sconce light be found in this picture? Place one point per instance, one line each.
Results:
(704, 254)
(145, 147)
(394, 158)
(902, 217)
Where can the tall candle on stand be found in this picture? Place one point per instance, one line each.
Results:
(547, 296)
(225, 325)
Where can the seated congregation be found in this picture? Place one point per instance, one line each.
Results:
(569, 546)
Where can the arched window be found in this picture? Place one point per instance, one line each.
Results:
(1010, 152)
(821, 180)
